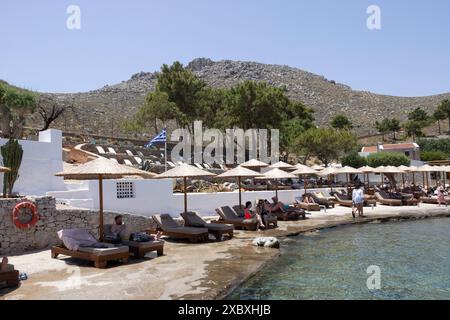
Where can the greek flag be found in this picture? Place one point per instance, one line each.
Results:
(161, 137)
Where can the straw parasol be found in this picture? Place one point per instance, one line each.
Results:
(404, 169)
(317, 167)
(100, 169)
(425, 169)
(239, 172)
(185, 171)
(276, 174)
(253, 163)
(347, 171)
(328, 172)
(282, 165)
(303, 170)
(366, 170)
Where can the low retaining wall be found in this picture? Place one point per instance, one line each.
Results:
(43, 234)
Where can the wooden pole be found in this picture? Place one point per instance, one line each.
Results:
(100, 196)
(403, 178)
(185, 195)
(276, 188)
(304, 182)
(239, 186)
(414, 177)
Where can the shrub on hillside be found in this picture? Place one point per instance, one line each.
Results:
(354, 160)
(387, 159)
(433, 155)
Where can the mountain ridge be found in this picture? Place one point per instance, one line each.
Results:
(94, 109)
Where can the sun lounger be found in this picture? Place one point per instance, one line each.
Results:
(387, 201)
(171, 164)
(100, 256)
(139, 249)
(170, 228)
(271, 219)
(138, 160)
(434, 200)
(128, 162)
(321, 200)
(306, 206)
(111, 150)
(128, 152)
(192, 219)
(229, 216)
(100, 150)
(291, 214)
(10, 276)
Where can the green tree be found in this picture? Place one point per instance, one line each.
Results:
(387, 159)
(413, 129)
(184, 89)
(15, 105)
(157, 107)
(383, 127)
(418, 115)
(442, 145)
(433, 155)
(444, 107)
(394, 126)
(341, 122)
(327, 144)
(353, 159)
(253, 104)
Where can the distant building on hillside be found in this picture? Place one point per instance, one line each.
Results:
(411, 150)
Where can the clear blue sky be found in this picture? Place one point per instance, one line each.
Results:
(409, 56)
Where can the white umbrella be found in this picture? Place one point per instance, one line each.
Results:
(282, 165)
(276, 174)
(185, 171)
(239, 172)
(303, 170)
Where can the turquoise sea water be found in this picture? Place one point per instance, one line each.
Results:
(413, 257)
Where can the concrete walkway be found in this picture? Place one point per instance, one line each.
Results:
(197, 271)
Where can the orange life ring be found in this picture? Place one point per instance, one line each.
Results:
(34, 218)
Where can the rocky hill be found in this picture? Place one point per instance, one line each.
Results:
(101, 111)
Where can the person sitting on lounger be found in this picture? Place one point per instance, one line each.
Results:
(119, 232)
(4, 265)
(308, 199)
(276, 205)
(249, 215)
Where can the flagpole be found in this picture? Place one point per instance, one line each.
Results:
(165, 152)
(165, 155)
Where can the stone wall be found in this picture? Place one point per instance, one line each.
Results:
(43, 234)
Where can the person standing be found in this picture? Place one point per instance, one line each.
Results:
(441, 195)
(358, 201)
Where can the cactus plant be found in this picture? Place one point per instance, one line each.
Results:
(12, 153)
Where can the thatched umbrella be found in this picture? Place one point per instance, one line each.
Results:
(425, 169)
(100, 169)
(348, 170)
(318, 168)
(185, 171)
(329, 172)
(389, 170)
(404, 169)
(303, 170)
(276, 174)
(239, 172)
(282, 165)
(366, 170)
(254, 164)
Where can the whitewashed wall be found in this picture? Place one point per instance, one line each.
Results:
(41, 160)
